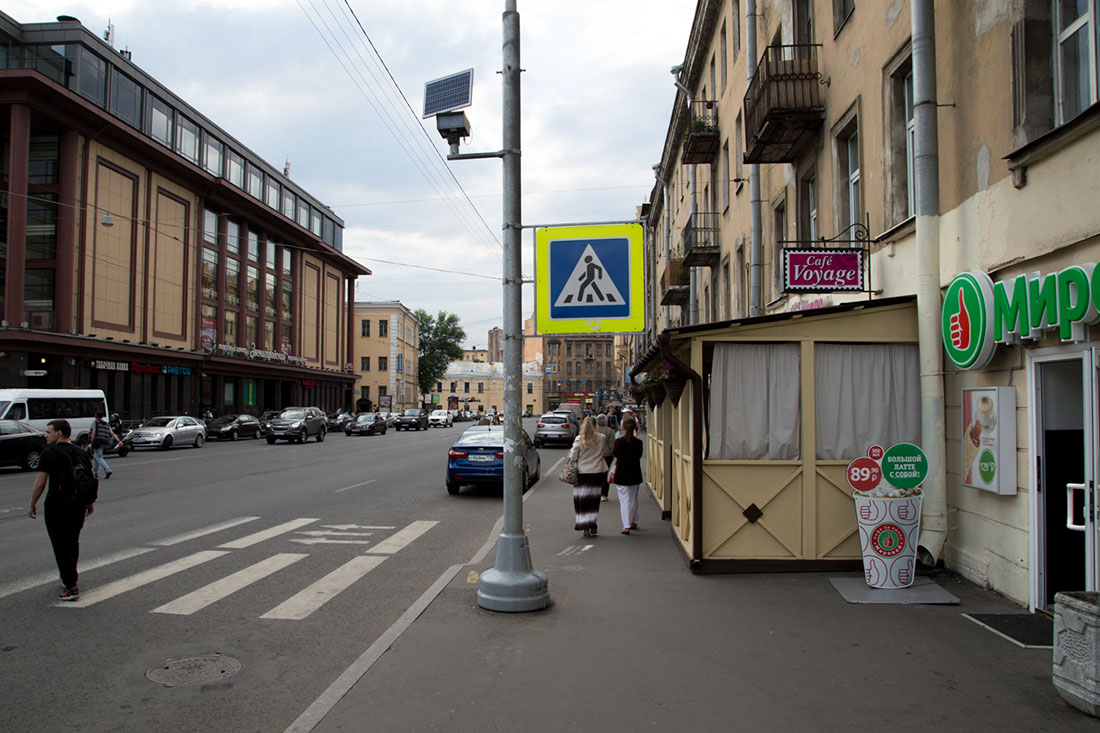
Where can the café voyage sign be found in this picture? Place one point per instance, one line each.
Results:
(822, 270)
(978, 314)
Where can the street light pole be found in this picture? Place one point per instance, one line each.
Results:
(511, 584)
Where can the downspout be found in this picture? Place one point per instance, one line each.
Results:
(927, 190)
(664, 342)
(756, 250)
(692, 309)
(668, 231)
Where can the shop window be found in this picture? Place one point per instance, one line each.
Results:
(865, 393)
(754, 402)
(161, 122)
(126, 99)
(209, 273)
(214, 154)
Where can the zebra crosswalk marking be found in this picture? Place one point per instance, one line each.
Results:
(118, 587)
(400, 539)
(219, 589)
(305, 602)
(169, 541)
(252, 539)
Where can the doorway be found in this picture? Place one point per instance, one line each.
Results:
(1064, 387)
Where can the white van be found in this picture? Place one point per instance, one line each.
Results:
(38, 406)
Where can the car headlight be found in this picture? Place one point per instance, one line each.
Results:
(296, 425)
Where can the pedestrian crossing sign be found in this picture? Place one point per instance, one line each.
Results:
(589, 279)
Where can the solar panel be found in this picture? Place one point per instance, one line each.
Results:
(448, 93)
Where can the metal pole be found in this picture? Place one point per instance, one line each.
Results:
(511, 584)
(756, 204)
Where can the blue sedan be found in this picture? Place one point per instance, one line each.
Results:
(477, 457)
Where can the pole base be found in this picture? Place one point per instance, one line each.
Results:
(511, 586)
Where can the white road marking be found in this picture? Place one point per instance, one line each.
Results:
(219, 589)
(118, 587)
(356, 526)
(302, 604)
(252, 539)
(325, 541)
(167, 542)
(13, 509)
(575, 550)
(332, 533)
(355, 486)
(34, 581)
(395, 542)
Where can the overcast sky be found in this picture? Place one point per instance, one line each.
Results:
(298, 80)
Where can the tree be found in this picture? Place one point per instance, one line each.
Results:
(441, 340)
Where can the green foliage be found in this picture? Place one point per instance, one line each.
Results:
(441, 339)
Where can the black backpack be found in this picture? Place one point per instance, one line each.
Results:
(79, 486)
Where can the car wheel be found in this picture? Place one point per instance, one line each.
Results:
(166, 443)
(526, 480)
(199, 440)
(538, 472)
(321, 436)
(271, 441)
(452, 488)
(233, 435)
(31, 459)
(347, 433)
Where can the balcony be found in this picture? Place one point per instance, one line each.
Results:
(783, 106)
(701, 138)
(701, 248)
(674, 289)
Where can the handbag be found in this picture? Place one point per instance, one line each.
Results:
(569, 472)
(611, 472)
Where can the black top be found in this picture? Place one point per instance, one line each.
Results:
(628, 461)
(56, 462)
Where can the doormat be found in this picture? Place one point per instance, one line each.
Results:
(1028, 630)
(923, 590)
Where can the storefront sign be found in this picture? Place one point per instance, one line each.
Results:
(208, 334)
(243, 352)
(117, 366)
(978, 314)
(822, 270)
(989, 439)
(181, 371)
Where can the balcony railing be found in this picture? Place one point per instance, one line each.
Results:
(702, 137)
(701, 246)
(784, 105)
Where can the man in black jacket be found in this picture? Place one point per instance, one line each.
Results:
(64, 517)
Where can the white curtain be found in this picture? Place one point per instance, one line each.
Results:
(754, 408)
(865, 393)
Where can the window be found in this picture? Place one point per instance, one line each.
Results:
(303, 213)
(93, 77)
(187, 139)
(288, 299)
(215, 153)
(38, 289)
(328, 234)
(569, 368)
(236, 169)
(364, 363)
(364, 328)
(209, 273)
(383, 364)
(738, 156)
(713, 78)
(1074, 58)
(569, 349)
(270, 258)
(253, 246)
(454, 387)
(251, 331)
(383, 391)
(232, 237)
(285, 338)
(439, 386)
(807, 207)
(466, 387)
(779, 229)
(272, 197)
(364, 392)
(724, 60)
(754, 415)
(847, 153)
(41, 232)
(269, 335)
(44, 160)
(160, 122)
(210, 226)
(481, 388)
(126, 101)
(255, 182)
(232, 281)
(383, 328)
(230, 335)
(724, 181)
(842, 10)
(286, 261)
(252, 288)
(530, 388)
(269, 295)
(315, 222)
(288, 204)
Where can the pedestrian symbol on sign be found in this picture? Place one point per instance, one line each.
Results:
(589, 284)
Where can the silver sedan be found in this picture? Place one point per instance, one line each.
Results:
(165, 432)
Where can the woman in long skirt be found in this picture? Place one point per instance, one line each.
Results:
(628, 473)
(588, 451)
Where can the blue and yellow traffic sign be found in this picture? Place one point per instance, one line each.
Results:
(590, 279)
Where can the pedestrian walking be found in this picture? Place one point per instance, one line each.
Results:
(609, 436)
(588, 451)
(628, 474)
(64, 512)
(102, 438)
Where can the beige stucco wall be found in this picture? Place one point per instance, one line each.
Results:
(402, 337)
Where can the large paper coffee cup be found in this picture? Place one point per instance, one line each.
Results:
(888, 531)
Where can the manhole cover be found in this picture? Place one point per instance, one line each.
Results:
(197, 670)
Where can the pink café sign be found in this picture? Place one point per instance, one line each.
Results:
(822, 270)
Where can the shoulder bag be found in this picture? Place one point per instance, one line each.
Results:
(569, 472)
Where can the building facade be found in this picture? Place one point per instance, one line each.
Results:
(479, 387)
(834, 129)
(476, 355)
(496, 344)
(149, 253)
(388, 352)
(580, 369)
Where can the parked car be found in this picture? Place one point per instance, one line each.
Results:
(337, 420)
(21, 444)
(232, 427)
(366, 423)
(297, 424)
(411, 418)
(554, 428)
(440, 419)
(167, 431)
(477, 457)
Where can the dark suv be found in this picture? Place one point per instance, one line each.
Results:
(297, 424)
(412, 418)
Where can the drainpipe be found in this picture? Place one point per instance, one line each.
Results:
(756, 249)
(693, 311)
(668, 230)
(664, 343)
(927, 188)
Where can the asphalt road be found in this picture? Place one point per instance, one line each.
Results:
(289, 559)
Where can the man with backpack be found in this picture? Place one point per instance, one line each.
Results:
(72, 493)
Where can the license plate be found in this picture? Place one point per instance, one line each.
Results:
(481, 459)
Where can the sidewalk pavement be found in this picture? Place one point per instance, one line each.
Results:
(633, 640)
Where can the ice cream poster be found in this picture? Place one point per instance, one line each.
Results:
(989, 439)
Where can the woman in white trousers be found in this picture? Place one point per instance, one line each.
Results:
(628, 473)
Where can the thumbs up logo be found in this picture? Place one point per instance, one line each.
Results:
(967, 338)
